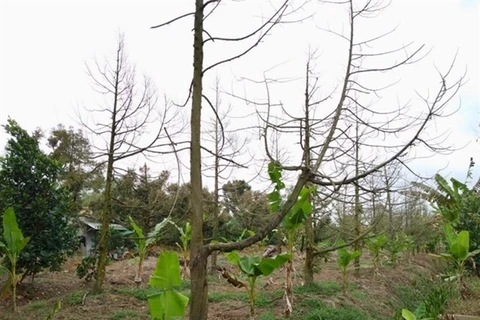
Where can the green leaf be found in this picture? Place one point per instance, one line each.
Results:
(268, 265)
(167, 271)
(407, 315)
(167, 305)
(153, 235)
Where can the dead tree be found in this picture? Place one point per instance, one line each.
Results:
(121, 123)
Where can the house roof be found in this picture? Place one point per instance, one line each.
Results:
(97, 225)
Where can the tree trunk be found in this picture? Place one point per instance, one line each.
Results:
(107, 207)
(216, 187)
(198, 257)
(357, 244)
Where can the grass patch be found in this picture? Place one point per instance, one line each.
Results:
(328, 288)
(359, 295)
(342, 313)
(269, 315)
(311, 303)
(139, 293)
(36, 305)
(123, 314)
(224, 296)
(75, 298)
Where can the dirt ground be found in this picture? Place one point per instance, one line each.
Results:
(122, 300)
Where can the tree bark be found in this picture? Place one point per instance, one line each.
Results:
(107, 209)
(198, 257)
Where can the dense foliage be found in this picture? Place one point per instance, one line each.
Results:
(29, 183)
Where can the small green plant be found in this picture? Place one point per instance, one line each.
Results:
(375, 245)
(167, 304)
(344, 259)
(87, 268)
(15, 242)
(56, 308)
(459, 250)
(144, 244)
(185, 237)
(395, 246)
(253, 267)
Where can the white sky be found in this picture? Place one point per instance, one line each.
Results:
(44, 46)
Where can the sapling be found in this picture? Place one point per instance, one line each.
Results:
(15, 242)
(144, 244)
(168, 304)
(344, 259)
(395, 246)
(375, 245)
(253, 267)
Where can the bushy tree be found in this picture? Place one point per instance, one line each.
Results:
(29, 183)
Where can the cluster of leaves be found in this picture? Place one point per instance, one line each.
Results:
(375, 245)
(459, 250)
(87, 268)
(432, 307)
(398, 243)
(30, 183)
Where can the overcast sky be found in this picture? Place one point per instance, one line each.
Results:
(44, 46)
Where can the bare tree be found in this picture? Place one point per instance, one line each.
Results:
(333, 132)
(130, 106)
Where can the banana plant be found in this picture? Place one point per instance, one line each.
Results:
(168, 304)
(395, 246)
(185, 237)
(418, 315)
(375, 245)
(15, 242)
(344, 259)
(253, 267)
(459, 250)
(144, 244)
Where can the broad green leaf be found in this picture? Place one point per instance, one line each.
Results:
(167, 305)
(233, 257)
(407, 315)
(167, 271)
(268, 265)
(153, 235)
(140, 242)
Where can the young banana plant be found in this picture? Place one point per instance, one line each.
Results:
(185, 237)
(344, 259)
(459, 250)
(144, 244)
(167, 304)
(375, 245)
(295, 219)
(15, 242)
(253, 267)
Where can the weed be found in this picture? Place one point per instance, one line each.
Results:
(36, 305)
(359, 295)
(269, 315)
(123, 314)
(224, 296)
(75, 298)
(139, 293)
(328, 288)
(342, 313)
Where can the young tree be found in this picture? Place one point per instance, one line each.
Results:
(30, 183)
(131, 106)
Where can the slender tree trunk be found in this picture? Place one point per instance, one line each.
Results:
(288, 278)
(309, 231)
(357, 244)
(107, 207)
(216, 187)
(198, 257)
(389, 204)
